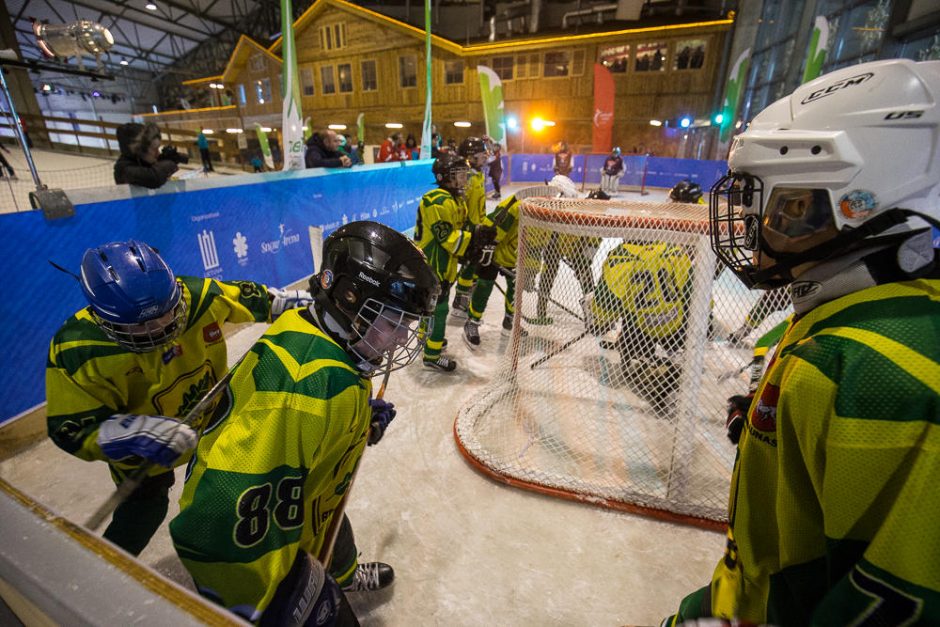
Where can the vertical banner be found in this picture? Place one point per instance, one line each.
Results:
(603, 110)
(426, 127)
(291, 117)
(818, 47)
(265, 147)
(308, 128)
(361, 128)
(491, 91)
(733, 91)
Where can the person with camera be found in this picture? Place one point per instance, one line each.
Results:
(142, 162)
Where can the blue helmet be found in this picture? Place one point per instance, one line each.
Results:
(616, 151)
(133, 294)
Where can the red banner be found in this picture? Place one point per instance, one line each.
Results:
(603, 109)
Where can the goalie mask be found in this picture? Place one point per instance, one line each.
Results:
(451, 173)
(473, 149)
(375, 294)
(133, 295)
(847, 162)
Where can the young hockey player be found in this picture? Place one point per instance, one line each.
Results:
(611, 172)
(277, 456)
(145, 351)
(442, 234)
(474, 150)
(832, 512)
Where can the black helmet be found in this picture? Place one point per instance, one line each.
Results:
(474, 150)
(450, 172)
(375, 293)
(685, 191)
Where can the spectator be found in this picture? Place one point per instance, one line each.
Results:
(322, 151)
(562, 158)
(388, 151)
(203, 143)
(496, 169)
(412, 148)
(346, 148)
(257, 163)
(435, 145)
(4, 163)
(141, 161)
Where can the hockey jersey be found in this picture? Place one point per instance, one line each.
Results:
(272, 465)
(439, 232)
(834, 499)
(475, 198)
(90, 377)
(506, 220)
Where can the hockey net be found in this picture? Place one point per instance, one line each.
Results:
(619, 399)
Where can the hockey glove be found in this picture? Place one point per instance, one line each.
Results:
(282, 300)
(482, 244)
(383, 413)
(737, 416)
(157, 439)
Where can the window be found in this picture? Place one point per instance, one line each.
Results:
(534, 65)
(306, 81)
(256, 63)
(407, 71)
(577, 63)
(522, 66)
(345, 78)
(333, 36)
(503, 68)
(690, 54)
(242, 98)
(453, 72)
(650, 57)
(615, 58)
(556, 64)
(369, 79)
(326, 79)
(263, 91)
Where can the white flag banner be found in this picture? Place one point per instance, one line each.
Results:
(291, 117)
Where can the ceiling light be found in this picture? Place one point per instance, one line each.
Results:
(208, 131)
(462, 124)
(394, 125)
(234, 131)
(124, 62)
(151, 6)
(337, 127)
(656, 123)
(266, 129)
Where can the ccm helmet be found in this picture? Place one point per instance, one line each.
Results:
(685, 191)
(451, 172)
(474, 150)
(375, 293)
(848, 161)
(133, 295)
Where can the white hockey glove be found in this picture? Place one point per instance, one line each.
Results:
(157, 439)
(282, 300)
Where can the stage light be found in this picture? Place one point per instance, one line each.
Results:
(75, 39)
(538, 124)
(685, 121)
(512, 123)
(718, 118)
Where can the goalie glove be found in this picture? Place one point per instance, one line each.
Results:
(737, 415)
(282, 300)
(383, 413)
(157, 439)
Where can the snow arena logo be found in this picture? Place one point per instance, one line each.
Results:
(286, 238)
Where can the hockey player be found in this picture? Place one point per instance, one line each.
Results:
(832, 516)
(441, 232)
(474, 150)
(505, 219)
(563, 159)
(611, 172)
(276, 457)
(646, 287)
(145, 350)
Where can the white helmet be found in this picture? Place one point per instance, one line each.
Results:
(848, 161)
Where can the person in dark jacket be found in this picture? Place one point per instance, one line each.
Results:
(141, 161)
(322, 152)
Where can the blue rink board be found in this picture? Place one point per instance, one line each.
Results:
(258, 232)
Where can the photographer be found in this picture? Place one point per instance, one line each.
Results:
(142, 162)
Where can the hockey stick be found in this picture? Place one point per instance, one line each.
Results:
(541, 360)
(132, 481)
(510, 274)
(326, 551)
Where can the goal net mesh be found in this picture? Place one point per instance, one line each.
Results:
(626, 345)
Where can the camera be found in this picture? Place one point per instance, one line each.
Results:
(170, 153)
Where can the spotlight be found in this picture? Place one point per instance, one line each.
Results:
(685, 121)
(512, 123)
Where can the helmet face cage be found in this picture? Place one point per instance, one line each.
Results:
(455, 178)
(382, 329)
(734, 211)
(147, 335)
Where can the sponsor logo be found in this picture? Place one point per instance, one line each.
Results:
(211, 333)
(804, 289)
(858, 204)
(148, 313)
(240, 244)
(204, 216)
(764, 415)
(326, 279)
(207, 249)
(602, 118)
(286, 238)
(368, 279)
(174, 351)
(837, 86)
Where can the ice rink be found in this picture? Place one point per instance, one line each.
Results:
(466, 550)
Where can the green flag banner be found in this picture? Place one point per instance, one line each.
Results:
(733, 91)
(426, 127)
(361, 128)
(291, 117)
(491, 91)
(265, 147)
(308, 128)
(818, 47)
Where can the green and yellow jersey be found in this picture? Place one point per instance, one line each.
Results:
(272, 466)
(834, 500)
(439, 232)
(90, 377)
(648, 284)
(506, 220)
(475, 198)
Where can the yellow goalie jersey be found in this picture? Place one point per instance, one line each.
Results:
(647, 284)
(270, 471)
(834, 497)
(90, 377)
